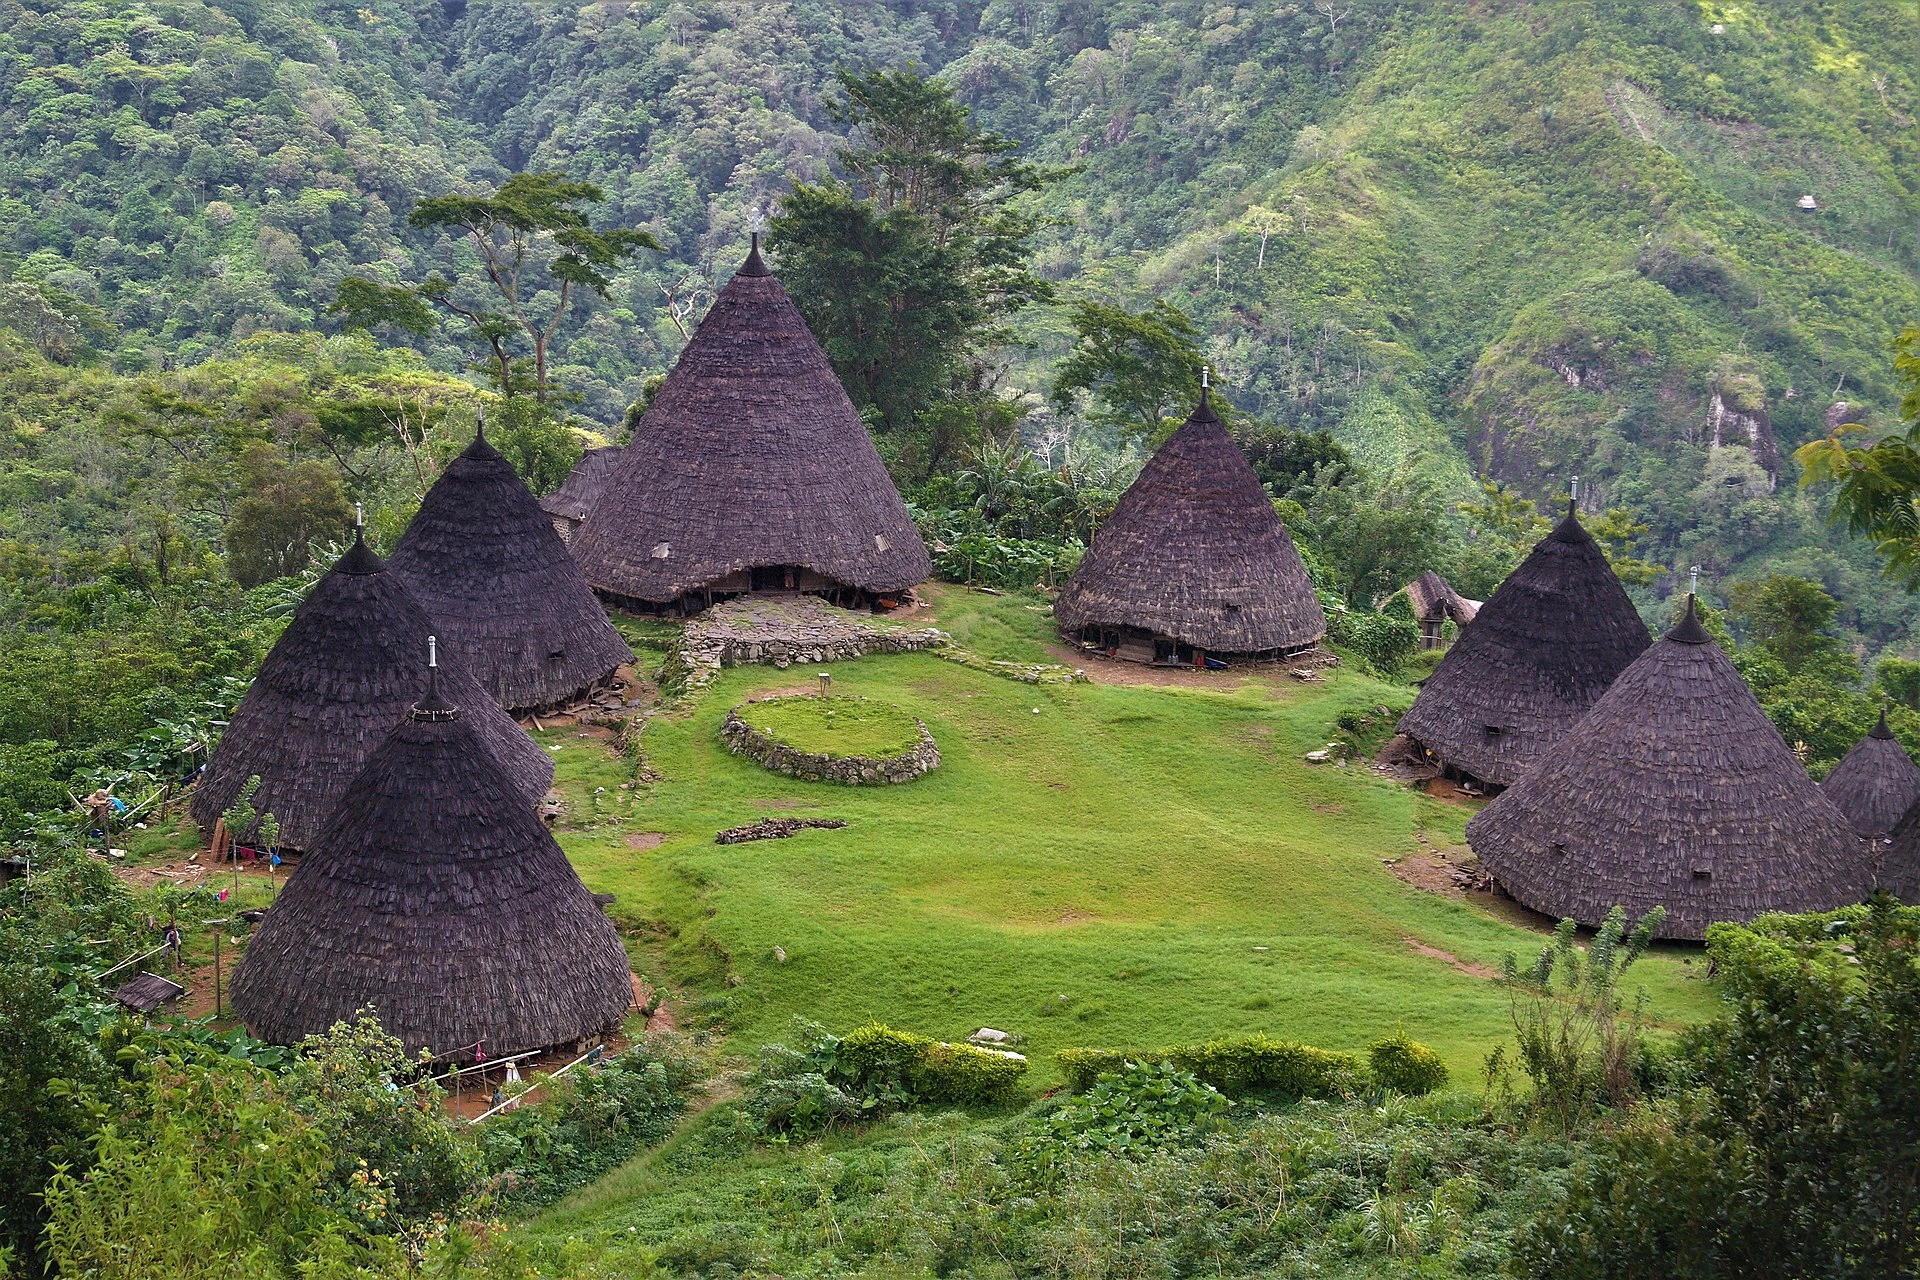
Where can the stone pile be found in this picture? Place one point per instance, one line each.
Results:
(776, 829)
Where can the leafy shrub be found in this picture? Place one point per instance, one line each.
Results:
(1251, 1064)
(591, 1120)
(1012, 564)
(1405, 1065)
(348, 1083)
(1383, 640)
(872, 1070)
(1141, 1106)
(800, 1105)
(961, 1075)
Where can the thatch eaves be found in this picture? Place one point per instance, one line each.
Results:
(1674, 791)
(436, 897)
(581, 489)
(750, 456)
(342, 674)
(1433, 597)
(506, 598)
(1553, 637)
(1194, 550)
(1874, 784)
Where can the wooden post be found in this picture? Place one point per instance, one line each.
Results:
(218, 1007)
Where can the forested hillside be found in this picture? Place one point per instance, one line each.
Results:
(1654, 243)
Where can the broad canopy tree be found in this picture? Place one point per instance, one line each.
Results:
(538, 249)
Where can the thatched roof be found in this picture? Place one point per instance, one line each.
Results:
(1432, 596)
(1674, 791)
(578, 492)
(1548, 643)
(750, 455)
(1194, 550)
(507, 600)
(436, 896)
(341, 676)
(1875, 784)
(1899, 868)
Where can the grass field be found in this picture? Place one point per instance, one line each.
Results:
(838, 726)
(1091, 865)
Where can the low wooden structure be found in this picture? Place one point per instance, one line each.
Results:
(1193, 568)
(750, 471)
(436, 897)
(1674, 791)
(1434, 604)
(568, 505)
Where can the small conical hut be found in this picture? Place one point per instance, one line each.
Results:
(507, 601)
(1193, 564)
(437, 898)
(750, 471)
(1898, 871)
(1875, 784)
(568, 505)
(1674, 791)
(340, 677)
(1553, 637)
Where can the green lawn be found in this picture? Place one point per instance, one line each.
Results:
(837, 726)
(1090, 865)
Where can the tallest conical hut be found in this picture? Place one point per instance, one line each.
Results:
(506, 599)
(749, 471)
(1674, 791)
(1538, 654)
(1193, 563)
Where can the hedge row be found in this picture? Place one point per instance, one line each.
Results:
(878, 1059)
(1262, 1065)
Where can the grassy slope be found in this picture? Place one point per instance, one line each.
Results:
(1090, 865)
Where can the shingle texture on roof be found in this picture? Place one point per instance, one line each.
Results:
(750, 455)
(1875, 783)
(340, 677)
(505, 597)
(1194, 550)
(436, 897)
(1553, 637)
(578, 492)
(1675, 791)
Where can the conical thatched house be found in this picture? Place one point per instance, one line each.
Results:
(1898, 871)
(1674, 791)
(568, 505)
(750, 471)
(1875, 784)
(1538, 654)
(506, 600)
(1193, 564)
(436, 897)
(341, 676)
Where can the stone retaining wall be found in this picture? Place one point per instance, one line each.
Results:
(742, 739)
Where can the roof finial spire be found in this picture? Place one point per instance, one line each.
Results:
(754, 266)
(1880, 730)
(433, 706)
(1206, 392)
(1693, 581)
(433, 653)
(480, 422)
(359, 523)
(1573, 497)
(1690, 630)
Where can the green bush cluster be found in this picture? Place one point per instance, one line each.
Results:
(1260, 1065)
(1382, 639)
(1141, 1106)
(871, 1070)
(1404, 1065)
(587, 1122)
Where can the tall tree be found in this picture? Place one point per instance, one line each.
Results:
(537, 247)
(1140, 370)
(908, 268)
(1878, 491)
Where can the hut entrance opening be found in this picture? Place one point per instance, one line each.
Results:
(1156, 649)
(761, 580)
